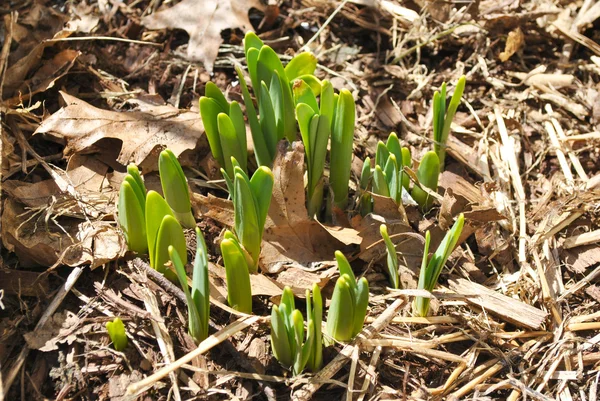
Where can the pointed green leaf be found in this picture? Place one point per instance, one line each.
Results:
(421, 304)
(342, 137)
(313, 82)
(131, 217)
(213, 92)
(392, 258)
(445, 131)
(279, 338)
(316, 360)
(170, 233)
(251, 40)
(117, 334)
(304, 114)
(304, 94)
(200, 286)
(139, 188)
(156, 209)
(427, 174)
(382, 154)
(268, 63)
(380, 185)
(319, 142)
(362, 302)
(365, 175)
(175, 188)
(393, 146)
(246, 218)
(262, 189)
(326, 101)
(289, 120)
(267, 119)
(343, 265)
(252, 60)
(306, 351)
(209, 109)
(276, 94)
(237, 118)
(194, 321)
(261, 151)
(340, 319)
(393, 181)
(406, 161)
(239, 293)
(301, 64)
(230, 142)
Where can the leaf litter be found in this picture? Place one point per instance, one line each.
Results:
(89, 106)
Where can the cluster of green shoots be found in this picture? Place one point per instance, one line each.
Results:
(431, 267)
(289, 99)
(392, 161)
(154, 224)
(296, 349)
(150, 224)
(241, 248)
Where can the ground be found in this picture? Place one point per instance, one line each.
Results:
(88, 87)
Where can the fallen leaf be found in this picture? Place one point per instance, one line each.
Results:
(143, 134)
(39, 238)
(45, 77)
(300, 280)
(60, 328)
(204, 20)
(514, 43)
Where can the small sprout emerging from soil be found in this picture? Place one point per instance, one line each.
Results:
(291, 346)
(349, 303)
(131, 209)
(116, 332)
(175, 188)
(432, 267)
(442, 117)
(198, 300)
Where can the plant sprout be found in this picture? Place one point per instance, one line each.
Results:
(175, 188)
(349, 303)
(198, 300)
(116, 332)
(442, 117)
(432, 267)
(292, 348)
(131, 210)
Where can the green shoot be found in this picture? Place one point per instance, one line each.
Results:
(175, 188)
(392, 259)
(131, 209)
(442, 117)
(116, 332)
(431, 268)
(349, 303)
(198, 300)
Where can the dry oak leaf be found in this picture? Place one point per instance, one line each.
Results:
(204, 20)
(143, 134)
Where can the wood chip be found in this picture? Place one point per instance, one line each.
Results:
(506, 308)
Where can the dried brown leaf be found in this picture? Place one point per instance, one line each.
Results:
(204, 20)
(514, 43)
(143, 134)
